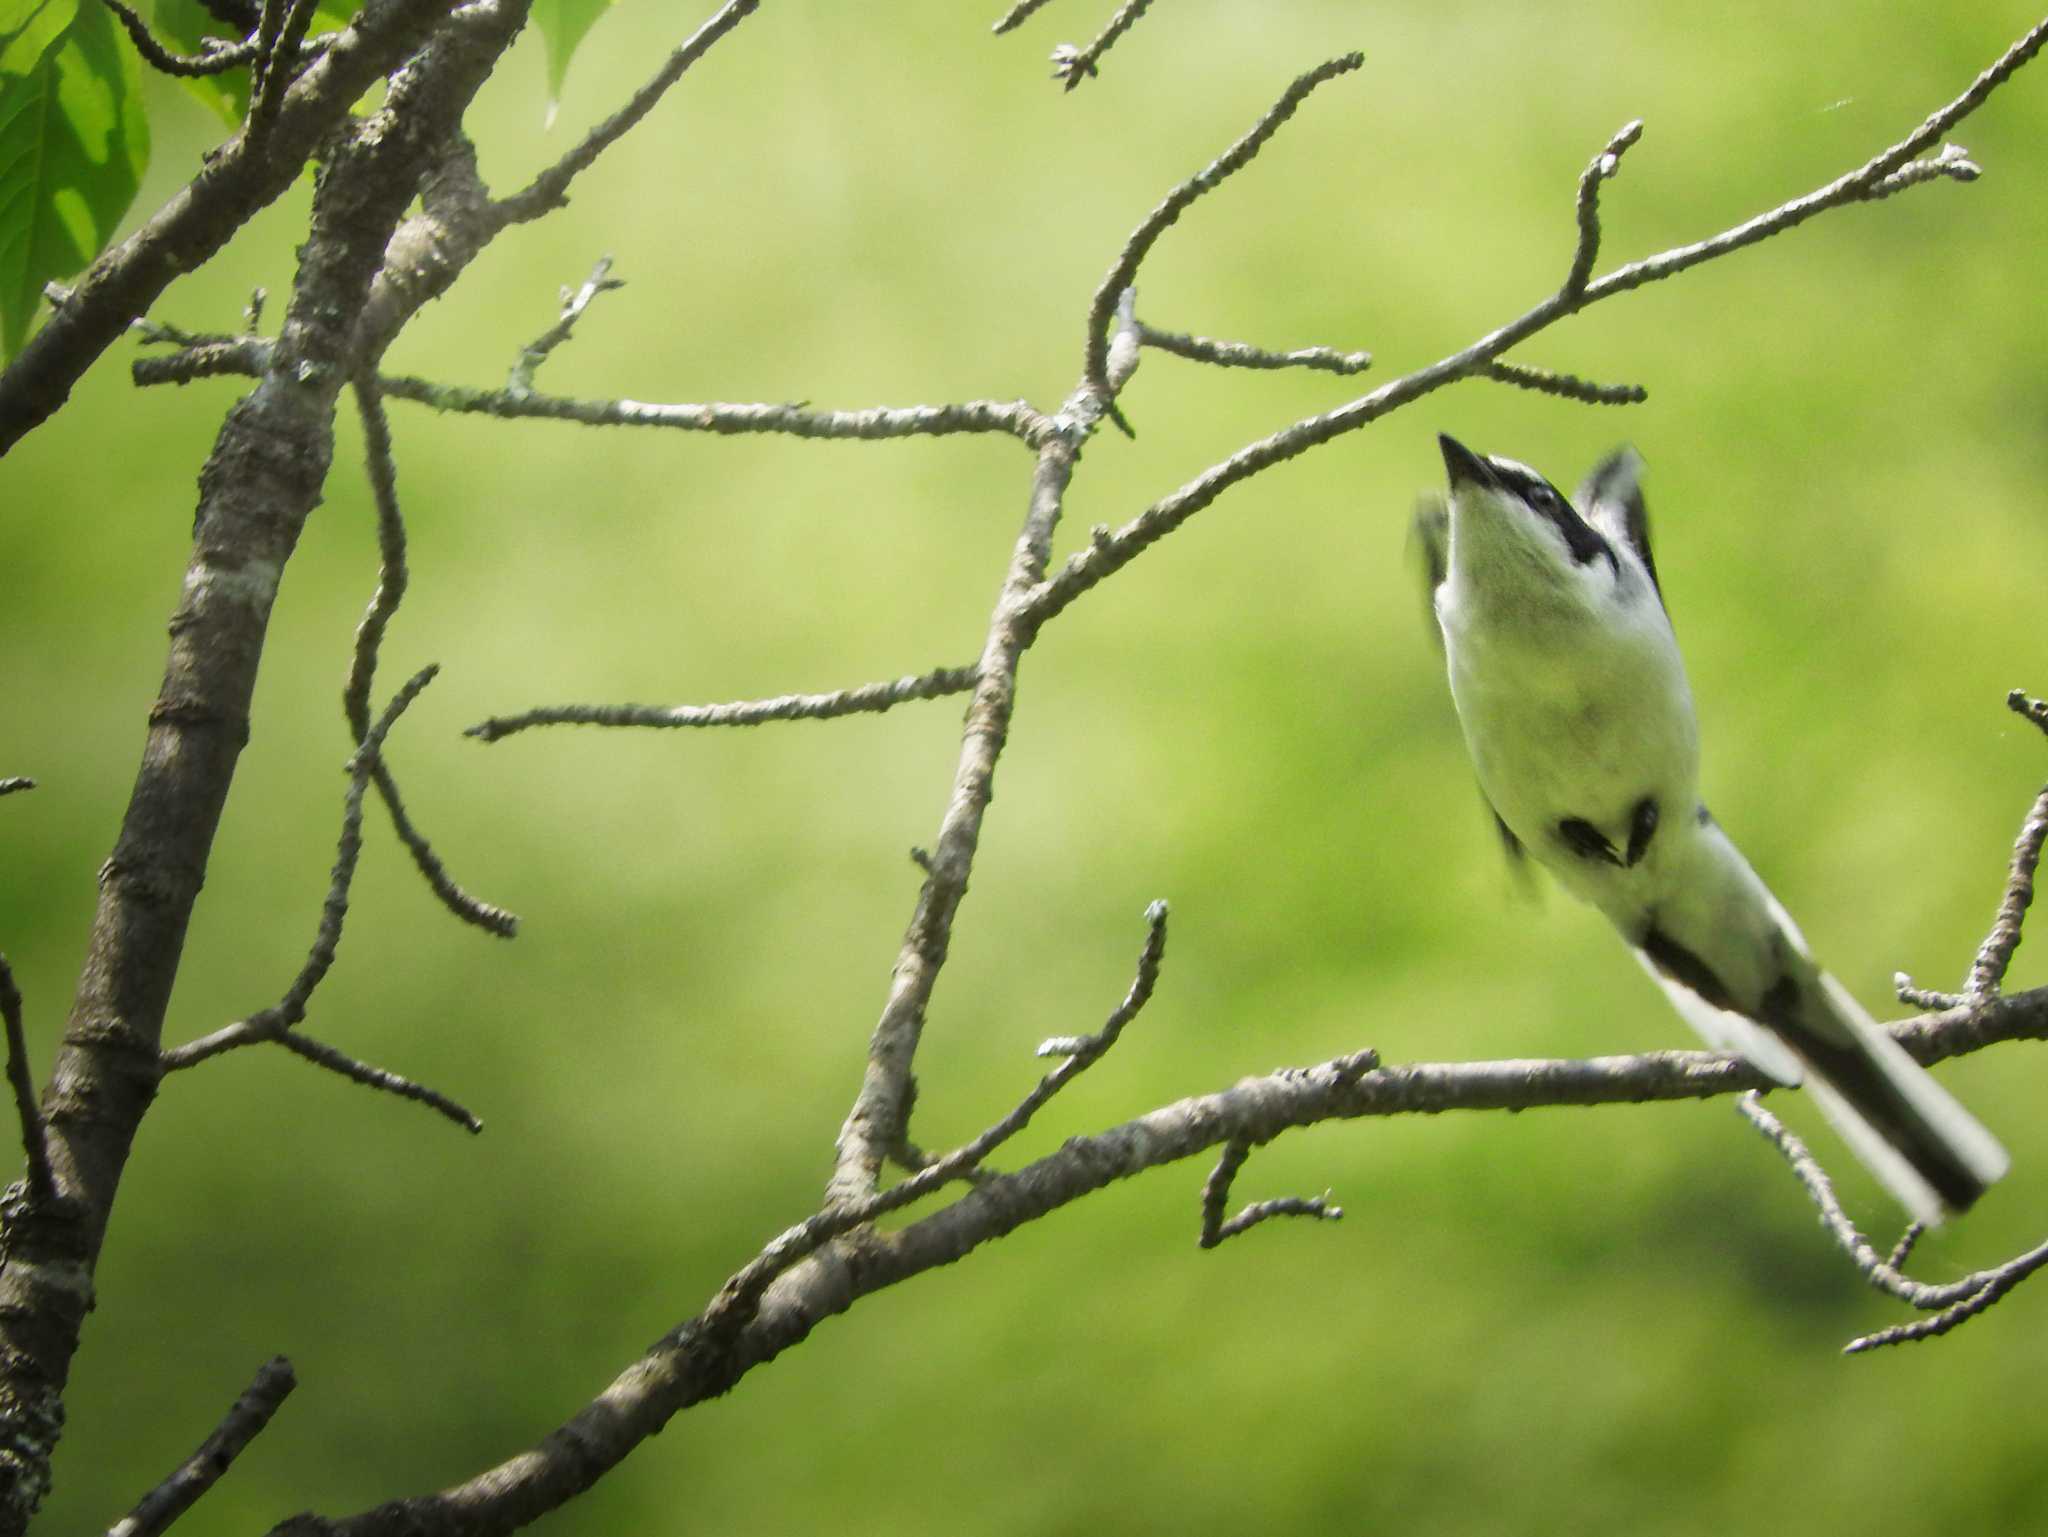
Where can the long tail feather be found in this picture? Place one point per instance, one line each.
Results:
(1914, 1135)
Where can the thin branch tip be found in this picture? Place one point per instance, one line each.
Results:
(252, 1412)
(1952, 1304)
(2023, 704)
(1123, 272)
(35, 1138)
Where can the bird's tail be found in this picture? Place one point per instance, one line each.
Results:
(1762, 995)
(1914, 1135)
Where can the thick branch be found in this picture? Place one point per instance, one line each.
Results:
(264, 476)
(708, 1355)
(246, 174)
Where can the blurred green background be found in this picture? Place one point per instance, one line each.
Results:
(1622, 1320)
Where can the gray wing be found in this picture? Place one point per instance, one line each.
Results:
(1429, 549)
(1429, 552)
(1611, 499)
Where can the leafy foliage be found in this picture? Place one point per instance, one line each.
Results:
(74, 137)
(563, 25)
(73, 145)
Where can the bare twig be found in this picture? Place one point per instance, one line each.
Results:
(1123, 273)
(1216, 1189)
(250, 355)
(1203, 349)
(218, 59)
(235, 355)
(1570, 386)
(370, 1076)
(1073, 65)
(1085, 569)
(1918, 997)
(867, 699)
(170, 1499)
(392, 575)
(549, 190)
(749, 1323)
(1216, 1195)
(1999, 1281)
(391, 584)
(277, 1022)
(929, 1173)
(278, 37)
(15, 784)
(35, 1142)
(878, 1123)
(1082, 1050)
(1988, 970)
(1859, 185)
(1603, 167)
(1017, 14)
(574, 302)
(1015, 418)
(1953, 1303)
(1903, 1249)
(1951, 161)
(2035, 710)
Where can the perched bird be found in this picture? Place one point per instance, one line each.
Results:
(1575, 709)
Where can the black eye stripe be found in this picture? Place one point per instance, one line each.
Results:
(1583, 540)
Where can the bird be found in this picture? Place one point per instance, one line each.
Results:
(1574, 705)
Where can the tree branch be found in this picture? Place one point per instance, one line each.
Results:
(259, 1402)
(1123, 273)
(42, 1188)
(218, 58)
(1953, 1304)
(243, 176)
(707, 1355)
(1073, 65)
(878, 1124)
(867, 699)
(1994, 956)
(277, 1022)
(264, 476)
(574, 303)
(1203, 349)
(1104, 557)
(1569, 386)
(391, 584)
(549, 190)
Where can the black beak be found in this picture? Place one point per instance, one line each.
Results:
(1462, 465)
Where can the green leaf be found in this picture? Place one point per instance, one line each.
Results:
(73, 144)
(563, 24)
(27, 28)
